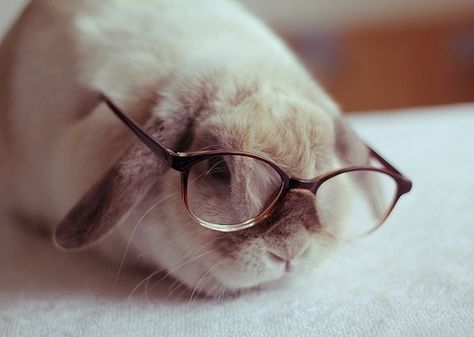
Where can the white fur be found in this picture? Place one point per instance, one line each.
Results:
(56, 142)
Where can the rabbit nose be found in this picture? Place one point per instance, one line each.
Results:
(292, 244)
(280, 259)
(286, 254)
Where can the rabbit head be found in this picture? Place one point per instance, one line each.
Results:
(302, 137)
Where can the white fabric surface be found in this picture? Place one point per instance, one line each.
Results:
(414, 277)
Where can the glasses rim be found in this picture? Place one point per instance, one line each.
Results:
(183, 161)
(200, 156)
(287, 183)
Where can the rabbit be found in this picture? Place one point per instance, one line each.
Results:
(194, 75)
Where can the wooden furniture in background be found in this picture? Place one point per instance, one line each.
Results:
(395, 65)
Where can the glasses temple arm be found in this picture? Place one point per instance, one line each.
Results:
(162, 152)
(374, 154)
(407, 182)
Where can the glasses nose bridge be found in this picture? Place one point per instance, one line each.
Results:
(310, 185)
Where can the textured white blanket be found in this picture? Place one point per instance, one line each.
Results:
(414, 277)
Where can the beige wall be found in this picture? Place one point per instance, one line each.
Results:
(300, 16)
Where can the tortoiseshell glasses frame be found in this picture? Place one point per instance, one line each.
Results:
(183, 161)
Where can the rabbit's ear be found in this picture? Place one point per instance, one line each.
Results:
(349, 148)
(109, 200)
(124, 186)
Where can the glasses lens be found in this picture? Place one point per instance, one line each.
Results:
(352, 204)
(231, 189)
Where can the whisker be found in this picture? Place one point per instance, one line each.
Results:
(207, 274)
(185, 289)
(215, 286)
(192, 233)
(196, 286)
(193, 258)
(207, 244)
(146, 289)
(133, 234)
(181, 265)
(209, 171)
(175, 286)
(354, 245)
(221, 294)
(209, 147)
(142, 281)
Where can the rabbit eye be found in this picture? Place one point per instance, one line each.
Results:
(218, 169)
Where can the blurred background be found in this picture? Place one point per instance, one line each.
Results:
(381, 54)
(371, 54)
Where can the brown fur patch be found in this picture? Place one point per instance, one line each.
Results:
(297, 209)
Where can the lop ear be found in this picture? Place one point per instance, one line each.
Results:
(124, 186)
(349, 148)
(110, 199)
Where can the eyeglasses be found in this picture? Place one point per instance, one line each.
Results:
(229, 191)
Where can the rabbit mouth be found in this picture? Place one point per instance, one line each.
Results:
(222, 278)
(232, 277)
(266, 270)
(217, 271)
